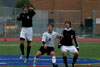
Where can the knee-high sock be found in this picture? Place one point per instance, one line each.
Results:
(22, 48)
(53, 59)
(65, 61)
(28, 51)
(74, 59)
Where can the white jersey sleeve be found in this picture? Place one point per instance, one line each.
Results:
(57, 35)
(44, 37)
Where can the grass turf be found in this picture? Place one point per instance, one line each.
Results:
(87, 50)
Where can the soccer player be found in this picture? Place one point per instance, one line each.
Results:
(66, 44)
(48, 39)
(26, 31)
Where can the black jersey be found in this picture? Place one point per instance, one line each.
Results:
(26, 18)
(69, 35)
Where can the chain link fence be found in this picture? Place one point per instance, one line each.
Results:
(42, 18)
(68, 15)
(8, 16)
(96, 23)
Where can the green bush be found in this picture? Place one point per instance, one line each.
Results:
(21, 3)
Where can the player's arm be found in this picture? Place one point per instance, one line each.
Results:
(44, 40)
(18, 16)
(31, 11)
(60, 37)
(76, 42)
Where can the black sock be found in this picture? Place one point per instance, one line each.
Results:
(65, 61)
(54, 65)
(74, 59)
(28, 51)
(22, 48)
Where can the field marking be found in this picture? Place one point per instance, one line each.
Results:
(2, 63)
(13, 60)
(8, 45)
(12, 45)
(29, 59)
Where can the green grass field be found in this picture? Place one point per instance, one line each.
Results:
(87, 50)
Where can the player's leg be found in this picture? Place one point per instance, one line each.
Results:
(36, 58)
(29, 35)
(22, 48)
(22, 39)
(74, 51)
(53, 55)
(40, 52)
(28, 48)
(75, 58)
(64, 58)
(63, 49)
(28, 51)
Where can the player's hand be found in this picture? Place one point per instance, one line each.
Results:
(17, 15)
(61, 36)
(78, 49)
(45, 46)
(30, 8)
(59, 46)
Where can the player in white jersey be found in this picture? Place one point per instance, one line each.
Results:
(48, 40)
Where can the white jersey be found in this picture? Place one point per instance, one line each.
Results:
(49, 38)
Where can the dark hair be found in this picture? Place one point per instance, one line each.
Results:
(68, 22)
(26, 6)
(50, 25)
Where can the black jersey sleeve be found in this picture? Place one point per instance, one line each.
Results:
(43, 42)
(32, 12)
(74, 37)
(64, 33)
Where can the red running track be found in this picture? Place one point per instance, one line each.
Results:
(39, 39)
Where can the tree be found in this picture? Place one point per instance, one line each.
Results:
(21, 3)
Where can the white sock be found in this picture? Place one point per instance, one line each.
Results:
(53, 59)
(35, 60)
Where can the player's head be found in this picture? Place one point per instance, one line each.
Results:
(68, 24)
(26, 8)
(50, 27)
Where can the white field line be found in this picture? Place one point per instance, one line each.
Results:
(23, 59)
(12, 45)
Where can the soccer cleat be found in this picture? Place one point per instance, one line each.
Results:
(72, 65)
(34, 65)
(56, 65)
(21, 57)
(26, 60)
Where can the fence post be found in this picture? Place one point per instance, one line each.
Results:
(94, 20)
(54, 19)
(15, 20)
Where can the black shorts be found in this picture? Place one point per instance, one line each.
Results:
(48, 50)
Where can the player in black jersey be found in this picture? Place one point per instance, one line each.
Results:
(26, 31)
(66, 44)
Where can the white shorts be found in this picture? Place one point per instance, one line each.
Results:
(26, 33)
(70, 49)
